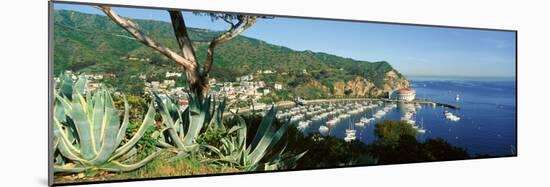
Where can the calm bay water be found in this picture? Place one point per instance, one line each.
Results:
(488, 115)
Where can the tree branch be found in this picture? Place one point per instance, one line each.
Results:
(136, 33)
(182, 37)
(234, 31)
(229, 22)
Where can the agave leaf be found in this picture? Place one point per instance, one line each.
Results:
(128, 155)
(269, 139)
(297, 157)
(66, 103)
(83, 127)
(80, 85)
(260, 150)
(211, 122)
(66, 86)
(70, 131)
(147, 122)
(278, 135)
(125, 121)
(210, 111)
(167, 119)
(109, 131)
(60, 114)
(97, 116)
(185, 122)
(179, 127)
(87, 131)
(219, 114)
(65, 147)
(241, 137)
(173, 109)
(116, 166)
(196, 120)
(265, 127)
(214, 149)
(233, 129)
(68, 168)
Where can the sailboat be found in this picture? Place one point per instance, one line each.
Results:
(457, 98)
(421, 129)
(350, 133)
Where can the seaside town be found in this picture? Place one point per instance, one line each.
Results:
(244, 88)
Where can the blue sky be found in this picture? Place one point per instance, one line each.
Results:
(412, 50)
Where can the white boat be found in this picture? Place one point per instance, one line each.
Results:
(302, 126)
(350, 133)
(323, 130)
(316, 118)
(349, 138)
(343, 116)
(332, 122)
(360, 124)
(297, 117)
(304, 123)
(457, 98)
(379, 114)
(450, 116)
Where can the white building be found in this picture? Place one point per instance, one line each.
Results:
(174, 74)
(245, 78)
(405, 94)
(278, 86)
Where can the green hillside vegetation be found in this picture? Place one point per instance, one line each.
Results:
(94, 44)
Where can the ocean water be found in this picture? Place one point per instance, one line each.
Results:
(487, 111)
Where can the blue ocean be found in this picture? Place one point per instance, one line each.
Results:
(487, 124)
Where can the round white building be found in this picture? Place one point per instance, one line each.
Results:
(405, 94)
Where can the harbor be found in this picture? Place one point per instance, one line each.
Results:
(451, 110)
(287, 104)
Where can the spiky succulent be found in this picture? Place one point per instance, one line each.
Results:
(183, 125)
(236, 152)
(88, 132)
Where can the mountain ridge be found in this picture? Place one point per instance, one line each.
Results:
(93, 43)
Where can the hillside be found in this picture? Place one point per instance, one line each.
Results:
(93, 43)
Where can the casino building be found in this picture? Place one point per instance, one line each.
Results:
(404, 94)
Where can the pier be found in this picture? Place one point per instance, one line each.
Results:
(419, 101)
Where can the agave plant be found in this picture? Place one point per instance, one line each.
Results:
(236, 152)
(182, 126)
(88, 132)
